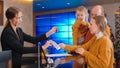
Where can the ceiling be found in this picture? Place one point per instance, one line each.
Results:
(47, 5)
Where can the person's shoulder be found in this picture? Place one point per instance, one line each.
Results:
(77, 22)
(7, 29)
(106, 39)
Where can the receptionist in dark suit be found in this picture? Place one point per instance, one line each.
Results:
(12, 37)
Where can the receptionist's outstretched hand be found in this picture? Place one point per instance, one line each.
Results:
(54, 29)
(47, 44)
(51, 31)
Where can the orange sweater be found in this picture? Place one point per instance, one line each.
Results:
(98, 52)
(79, 29)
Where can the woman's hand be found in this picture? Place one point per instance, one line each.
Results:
(80, 60)
(62, 45)
(80, 51)
(47, 44)
(52, 31)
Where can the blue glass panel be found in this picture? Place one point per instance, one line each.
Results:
(61, 40)
(71, 21)
(71, 41)
(63, 21)
(42, 28)
(70, 28)
(60, 35)
(72, 18)
(43, 16)
(60, 19)
(70, 34)
(43, 20)
(63, 28)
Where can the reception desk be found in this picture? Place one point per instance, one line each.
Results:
(50, 56)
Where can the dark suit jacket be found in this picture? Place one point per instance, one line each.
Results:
(10, 41)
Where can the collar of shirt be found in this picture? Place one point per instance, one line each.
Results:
(99, 35)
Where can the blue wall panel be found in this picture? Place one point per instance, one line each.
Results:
(63, 21)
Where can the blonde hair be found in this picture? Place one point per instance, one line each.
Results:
(83, 9)
(101, 22)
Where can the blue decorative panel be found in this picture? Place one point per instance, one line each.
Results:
(63, 21)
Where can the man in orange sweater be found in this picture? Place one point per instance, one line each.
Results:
(97, 10)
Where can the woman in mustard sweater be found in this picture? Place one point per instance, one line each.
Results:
(98, 52)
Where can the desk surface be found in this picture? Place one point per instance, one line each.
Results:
(57, 55)
(47, 55)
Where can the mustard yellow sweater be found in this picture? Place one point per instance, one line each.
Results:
(98, 52)
(79, 29)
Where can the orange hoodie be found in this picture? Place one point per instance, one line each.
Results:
(79, 29)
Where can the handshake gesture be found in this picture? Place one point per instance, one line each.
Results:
(50, 43)
(61, 45)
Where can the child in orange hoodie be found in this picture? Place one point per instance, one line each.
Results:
(80, 26)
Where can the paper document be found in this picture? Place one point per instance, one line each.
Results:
(56, 45)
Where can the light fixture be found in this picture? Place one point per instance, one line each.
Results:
(23, 1)
(43, 7)
(68, 3)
